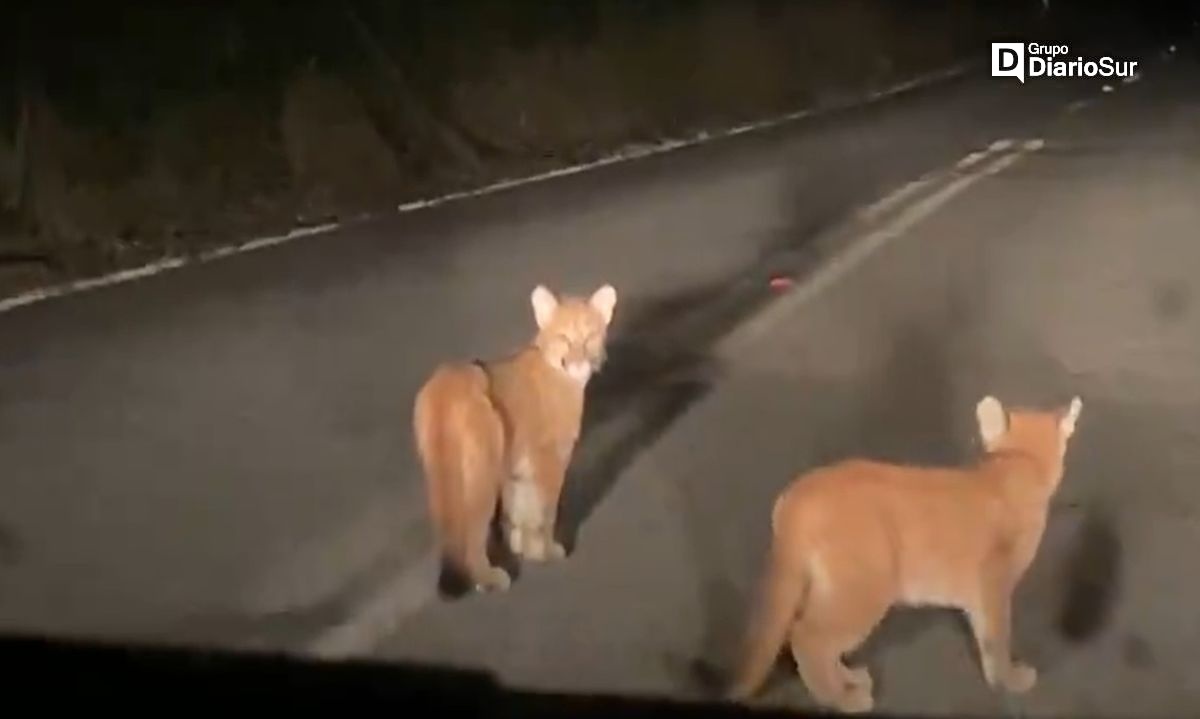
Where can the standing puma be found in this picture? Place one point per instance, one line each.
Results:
(852, 539)
(503, 431)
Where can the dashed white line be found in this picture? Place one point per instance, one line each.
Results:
(408, 592)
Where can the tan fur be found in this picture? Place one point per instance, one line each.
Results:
(853, 539)
(503, 431)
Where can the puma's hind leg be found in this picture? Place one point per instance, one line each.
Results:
(831, 683)
(466, 548)
(832, 624)
(483, 479)
(460, 442)
(485, 576)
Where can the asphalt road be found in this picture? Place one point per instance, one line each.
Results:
(1067, 270)
(221, 454)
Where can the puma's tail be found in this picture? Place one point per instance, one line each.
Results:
(441, 462)
(781, 599)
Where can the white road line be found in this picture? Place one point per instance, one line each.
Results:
(880, 207)
(404, 595)
(972, 159)
(316, 570)
(633, 152)
(1078, 105)
(153, 268)
(883, 205)
(739, 341)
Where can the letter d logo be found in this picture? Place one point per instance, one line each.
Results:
(1008, 60)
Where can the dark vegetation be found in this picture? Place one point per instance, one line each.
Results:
(132, 132)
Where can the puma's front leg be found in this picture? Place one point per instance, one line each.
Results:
(549, 474)
(521, 503)
(523, 516)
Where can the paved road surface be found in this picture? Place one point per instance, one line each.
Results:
(221, 454)
(1070, 271)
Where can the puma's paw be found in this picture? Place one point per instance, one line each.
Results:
(1021, 678)
(495, 580)
(856, 699)
(860, 677)
(535, 548)
(555, 550)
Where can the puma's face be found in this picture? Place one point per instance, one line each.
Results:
(572, 331)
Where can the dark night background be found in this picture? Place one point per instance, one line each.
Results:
(133, 130)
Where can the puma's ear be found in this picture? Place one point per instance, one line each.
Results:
(604, 301)
(1069, 416)
(544, 303)
(993, 421)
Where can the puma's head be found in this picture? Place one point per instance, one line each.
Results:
(1043, 433)
(572, 331)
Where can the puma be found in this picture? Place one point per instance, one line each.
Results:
(502, 432)
(852, 539)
